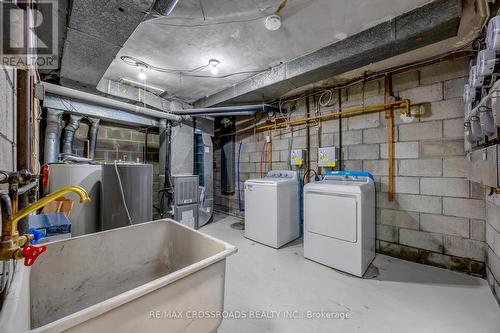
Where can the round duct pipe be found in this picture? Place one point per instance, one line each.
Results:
(69, 133)
(96, 99)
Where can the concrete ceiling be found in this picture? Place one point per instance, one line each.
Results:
(196, 32)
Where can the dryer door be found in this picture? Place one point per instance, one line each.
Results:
(331, 215)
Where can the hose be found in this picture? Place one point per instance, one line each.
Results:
(238, 172)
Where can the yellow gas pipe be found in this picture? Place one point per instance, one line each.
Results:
(11, 244)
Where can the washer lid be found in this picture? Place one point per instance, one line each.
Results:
(270, 181)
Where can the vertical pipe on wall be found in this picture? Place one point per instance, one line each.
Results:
(308, 137)
(240, 207)
(94, 130)
(23, 85)
(340, 131)
(163, 166)
(52, 136)
(389, 115)
(69, 133)
(228, 155)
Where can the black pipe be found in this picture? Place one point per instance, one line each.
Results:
(166, 193)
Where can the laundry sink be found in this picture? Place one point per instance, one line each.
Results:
(151, 277)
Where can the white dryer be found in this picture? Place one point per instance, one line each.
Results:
(339, 221)
(271, 208)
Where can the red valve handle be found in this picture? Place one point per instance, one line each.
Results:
(31, 253)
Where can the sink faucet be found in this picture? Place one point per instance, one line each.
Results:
(15, 246)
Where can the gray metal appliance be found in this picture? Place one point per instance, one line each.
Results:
(84, 218)
(186, 196)
(136, 192)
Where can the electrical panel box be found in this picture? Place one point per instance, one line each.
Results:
(484, 166)
(297, 157)
(327, 157)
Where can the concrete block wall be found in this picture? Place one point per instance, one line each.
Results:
(493, 242)
(438, 216)
(123, 144)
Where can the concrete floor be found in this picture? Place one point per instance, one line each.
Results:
(399, 296)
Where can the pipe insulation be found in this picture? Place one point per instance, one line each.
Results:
(101, 100)
(52, 136)
(94, 129)
(177, 116)
(69, 133)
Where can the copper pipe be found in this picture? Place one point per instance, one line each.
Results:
(389, 115)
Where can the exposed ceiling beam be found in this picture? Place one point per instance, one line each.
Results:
(429, 24)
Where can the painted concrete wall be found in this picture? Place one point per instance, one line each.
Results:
(438, 216)
(7, 119)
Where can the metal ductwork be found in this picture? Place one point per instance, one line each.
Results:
(101, 100)
(52, 136)
(176, 116)
(94, 129)
(165, 7)
(69, 133)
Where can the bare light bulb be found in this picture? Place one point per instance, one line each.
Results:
(141, 75)
(214, 70)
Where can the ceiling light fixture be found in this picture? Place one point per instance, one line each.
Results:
(142, 76)
(213, 63)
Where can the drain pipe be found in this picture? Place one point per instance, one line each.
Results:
(69, 133)
(52, 136)
(94, 129)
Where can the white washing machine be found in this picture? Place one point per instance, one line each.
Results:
(339, 221)
(271, 208)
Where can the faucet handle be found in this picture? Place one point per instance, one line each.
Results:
(31, 253)
(37, 235)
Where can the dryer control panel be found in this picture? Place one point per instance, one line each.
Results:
(353, 176)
